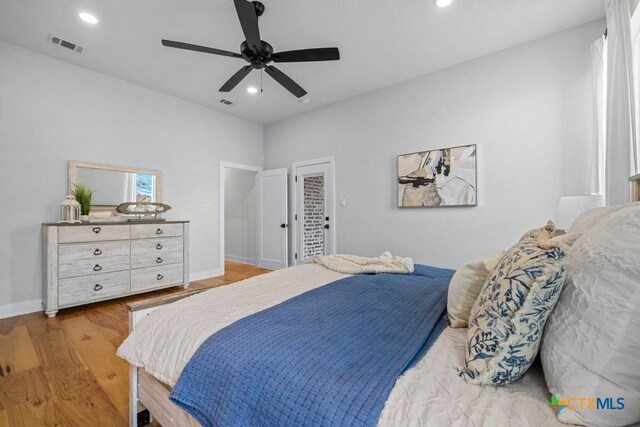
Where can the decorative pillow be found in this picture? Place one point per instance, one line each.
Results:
(466, 285)
(591, 347)
(507, 319)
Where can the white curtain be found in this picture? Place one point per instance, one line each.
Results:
(621, 160)
(635, 45)
(598, 153)
(130, 190)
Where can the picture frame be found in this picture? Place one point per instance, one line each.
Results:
(442, 177)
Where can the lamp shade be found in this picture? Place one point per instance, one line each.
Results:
(571, 207)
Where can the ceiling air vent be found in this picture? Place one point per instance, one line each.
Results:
(66, 44)
(226, 102)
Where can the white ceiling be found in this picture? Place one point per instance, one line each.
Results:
(381, 42)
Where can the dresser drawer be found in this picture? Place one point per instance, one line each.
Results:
(87, 267)
(150, 252)
(156, 277)
(92, 233)
(148, 231)
(86, 289)
(96, 251)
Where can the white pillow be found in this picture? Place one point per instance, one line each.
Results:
(592, 217)
(465, 286)
(591, 344)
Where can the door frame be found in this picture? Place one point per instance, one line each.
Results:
(331, 191)
(228, 165)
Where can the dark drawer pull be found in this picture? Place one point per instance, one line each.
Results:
(159, 277)
(97, 230)
(158, 246)
(97, 267)
(97, 252)
(159, 260)
(159, 231)
(97, 287)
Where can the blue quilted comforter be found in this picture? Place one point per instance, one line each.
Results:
(329, 356)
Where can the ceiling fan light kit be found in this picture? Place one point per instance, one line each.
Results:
(260, 54)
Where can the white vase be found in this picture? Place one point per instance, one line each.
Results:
(84, 218)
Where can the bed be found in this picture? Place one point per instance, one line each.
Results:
(163, 339)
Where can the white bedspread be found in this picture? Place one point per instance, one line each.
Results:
(430, 394)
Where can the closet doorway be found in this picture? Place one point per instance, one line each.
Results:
(314, 204)
(253, 216)
(238, 213)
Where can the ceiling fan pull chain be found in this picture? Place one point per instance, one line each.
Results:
(261, 73)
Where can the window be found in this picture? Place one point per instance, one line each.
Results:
(144, 187)
(141, 187)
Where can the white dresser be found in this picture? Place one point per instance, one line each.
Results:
(85, 263)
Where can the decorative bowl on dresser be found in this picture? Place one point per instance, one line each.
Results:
(85, 263)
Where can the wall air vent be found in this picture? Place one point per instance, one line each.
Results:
(66, 44)
(226, 102)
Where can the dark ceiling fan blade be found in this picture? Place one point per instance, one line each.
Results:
(196, 48)
(285, 81)
(307, 55)
(236, 78)
(249, 23)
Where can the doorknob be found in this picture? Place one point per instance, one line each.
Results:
(283, 225)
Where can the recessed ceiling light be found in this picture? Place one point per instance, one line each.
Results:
(88, 18)
(306, 100)
(443, 3)
(252, 89)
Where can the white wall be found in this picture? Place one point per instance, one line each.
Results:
(52, 112)
(529, 109)
(239, 215)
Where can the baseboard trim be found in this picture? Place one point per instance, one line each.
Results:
(26, 307)
(20, 308)
(33, 306)
(240, 259)
(200, 275)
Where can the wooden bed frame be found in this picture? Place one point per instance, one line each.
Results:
(146, 392)
(635, 188)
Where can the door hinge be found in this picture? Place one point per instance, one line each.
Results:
(296, 178)
(296, 217)
(296, 256)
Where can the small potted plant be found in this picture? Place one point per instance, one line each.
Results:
(83, 195)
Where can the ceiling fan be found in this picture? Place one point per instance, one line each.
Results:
(258, 53)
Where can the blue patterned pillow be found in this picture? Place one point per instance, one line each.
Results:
(508, 318)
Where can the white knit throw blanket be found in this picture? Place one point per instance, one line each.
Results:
(352, 264)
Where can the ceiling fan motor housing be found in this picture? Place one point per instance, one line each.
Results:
(260, 59)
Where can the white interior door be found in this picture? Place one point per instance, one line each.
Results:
(271, 212)
(314, 213)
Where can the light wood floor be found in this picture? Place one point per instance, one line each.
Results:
(64, 372)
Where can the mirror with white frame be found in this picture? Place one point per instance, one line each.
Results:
(113, 185)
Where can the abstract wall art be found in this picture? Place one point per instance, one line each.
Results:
(443, 177)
